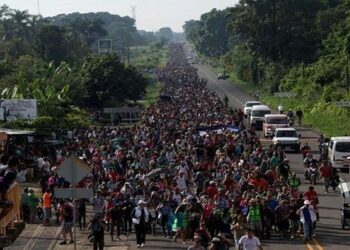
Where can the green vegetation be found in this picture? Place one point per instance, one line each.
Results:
(284, 46)
(52, 60)
(149, 57)
(152, 93)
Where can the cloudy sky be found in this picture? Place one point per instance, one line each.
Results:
(151, 14)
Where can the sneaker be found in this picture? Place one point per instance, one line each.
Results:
(138, 245)
(71, 242)
(143, 245)
(63, 243)
(292, 237)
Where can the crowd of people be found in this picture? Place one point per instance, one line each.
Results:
(183, 172)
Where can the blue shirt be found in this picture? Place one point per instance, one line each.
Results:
(307, 215)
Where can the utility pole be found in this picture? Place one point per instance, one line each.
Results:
(133, 12)
(38, 2)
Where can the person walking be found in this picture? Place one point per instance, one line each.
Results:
(97, 232)
(66, 211)
(140, 217)
(33, 202)
(299, 115)
(249, 241)
(327, 173)
(307, 218)
(47, 202)
(24, 205)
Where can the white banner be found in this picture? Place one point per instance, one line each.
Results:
(20, 109)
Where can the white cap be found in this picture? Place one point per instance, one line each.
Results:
(306, 202)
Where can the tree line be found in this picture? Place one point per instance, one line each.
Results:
(280, 45)
(55, 61)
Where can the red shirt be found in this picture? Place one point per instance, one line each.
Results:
(326, 171)
(212, 191)
(311, 195)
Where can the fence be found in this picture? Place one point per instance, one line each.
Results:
(13, 195)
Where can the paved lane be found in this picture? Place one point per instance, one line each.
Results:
(329, 232)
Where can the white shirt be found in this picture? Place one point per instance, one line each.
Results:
(249, 244)
(181, 182)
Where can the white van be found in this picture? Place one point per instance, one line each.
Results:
(273, 121)
(257, 115)
(248, 106)
(339, 151)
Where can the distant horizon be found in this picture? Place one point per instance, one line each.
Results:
(150, 16)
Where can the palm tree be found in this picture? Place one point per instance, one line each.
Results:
(21, 20)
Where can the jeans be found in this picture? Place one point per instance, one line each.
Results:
(308, 230)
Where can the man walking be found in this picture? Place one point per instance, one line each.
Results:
(326, 172)
(307, 218)
(47, 202)
(140, 217)
(249, 241)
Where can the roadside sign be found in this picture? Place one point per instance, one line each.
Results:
(74, 170)
(105, 46)
(345, 104)
(19, 109)
(76, 193)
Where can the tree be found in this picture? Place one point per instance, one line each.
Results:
(209, 35)
(50, 44)
(279, 30)
(165, 33)
(109, 82)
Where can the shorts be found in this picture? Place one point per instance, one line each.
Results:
(67, 226)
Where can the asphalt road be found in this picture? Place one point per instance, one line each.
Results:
(329, 232)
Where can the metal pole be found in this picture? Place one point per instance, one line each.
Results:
(74, 218)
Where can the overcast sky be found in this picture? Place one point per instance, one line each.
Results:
(150, 14)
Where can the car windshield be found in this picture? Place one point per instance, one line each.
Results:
(260, 113)
(277, 120)
(343, 147)
(251, 104)
(289, 133)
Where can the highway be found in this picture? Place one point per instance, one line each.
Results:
(329, 232)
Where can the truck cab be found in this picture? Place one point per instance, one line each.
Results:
(273, 121)
(257, 115)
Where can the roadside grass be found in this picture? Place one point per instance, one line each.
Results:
(148, 56)
(331, 121)
(152, 94)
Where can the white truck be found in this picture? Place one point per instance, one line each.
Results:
(287, 138)
(248, 107)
